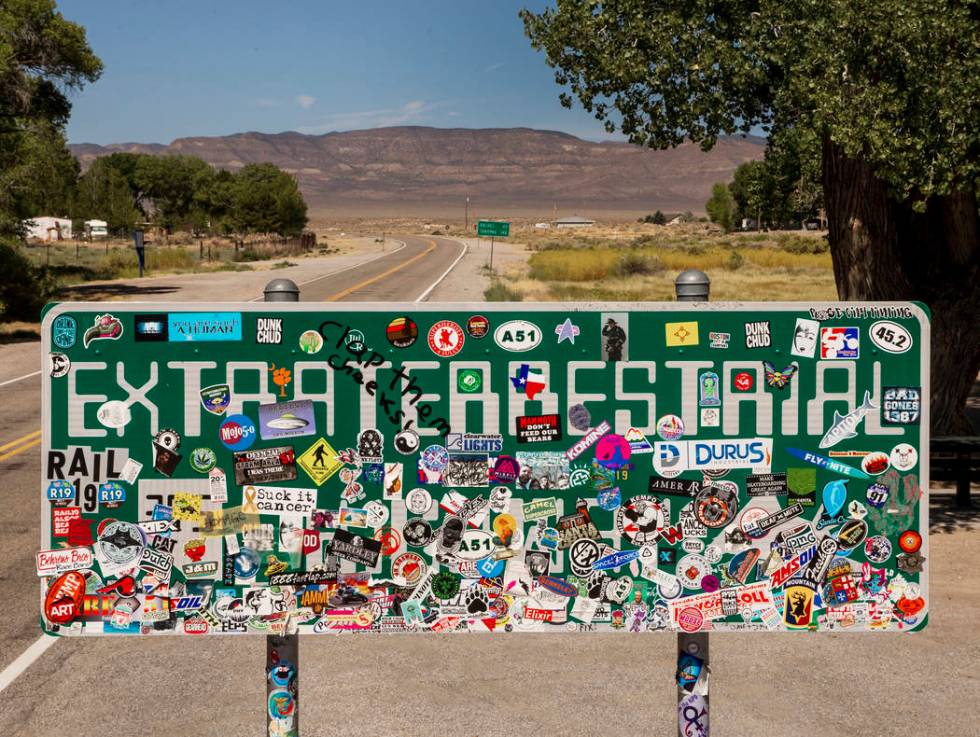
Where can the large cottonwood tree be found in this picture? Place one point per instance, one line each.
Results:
(890, 87)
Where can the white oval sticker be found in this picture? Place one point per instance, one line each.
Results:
(517, 336)
(890, 336)
(475, 545)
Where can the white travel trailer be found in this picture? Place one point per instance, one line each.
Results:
(96, 229)
(47, 228)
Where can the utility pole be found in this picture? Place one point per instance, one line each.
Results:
(466, 220)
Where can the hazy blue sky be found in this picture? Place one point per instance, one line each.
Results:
(177, 68)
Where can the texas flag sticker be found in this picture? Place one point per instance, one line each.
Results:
(528, 381)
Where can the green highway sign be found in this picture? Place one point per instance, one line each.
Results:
(263, 468)
(492, 229)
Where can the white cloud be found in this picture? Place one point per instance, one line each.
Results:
(305, 101)
(493, 67)
(412, 112)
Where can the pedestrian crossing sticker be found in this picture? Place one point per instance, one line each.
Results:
(319, 461)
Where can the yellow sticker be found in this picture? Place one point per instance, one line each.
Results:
(682, 333)
(187, 507)
(319, 461)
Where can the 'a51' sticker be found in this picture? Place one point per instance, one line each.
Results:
(517, 336)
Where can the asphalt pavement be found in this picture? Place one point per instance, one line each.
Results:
(833, 685)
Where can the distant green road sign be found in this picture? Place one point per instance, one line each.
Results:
(493, 229)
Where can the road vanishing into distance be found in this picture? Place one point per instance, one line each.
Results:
(53, 674)
(428, 685)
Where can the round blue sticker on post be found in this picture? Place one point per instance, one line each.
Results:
(237, 433)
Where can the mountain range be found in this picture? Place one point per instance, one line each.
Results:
(517, 171)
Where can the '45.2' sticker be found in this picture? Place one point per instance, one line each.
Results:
(890, 336)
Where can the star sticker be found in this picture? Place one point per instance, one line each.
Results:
(567, 331)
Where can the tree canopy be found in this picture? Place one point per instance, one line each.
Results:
(43, 58)
(721, 206)
(894, 82)
(881, 97)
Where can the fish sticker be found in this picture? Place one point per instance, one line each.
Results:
(844, 428)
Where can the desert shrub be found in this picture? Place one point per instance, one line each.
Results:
(801, 244)
(500, 292)
(636, 264)
(735, 261)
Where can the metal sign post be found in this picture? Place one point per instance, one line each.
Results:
(282, 651)
(692, 285)
(493, 229)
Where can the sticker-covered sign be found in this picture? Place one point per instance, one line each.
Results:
(227, 468)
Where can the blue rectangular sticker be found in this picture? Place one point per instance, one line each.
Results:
(204, 326)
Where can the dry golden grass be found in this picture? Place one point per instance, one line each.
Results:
(597, 264)
(615, 263)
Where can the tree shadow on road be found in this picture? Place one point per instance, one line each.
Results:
(945, 517)
(90, 292)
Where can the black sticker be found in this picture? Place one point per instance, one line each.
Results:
(901, 405)
(538, 428)
(268, 330)
(673, 487)
(766, 484)
(151, 328)
(758, 334)
(355, 548)
(265, 465)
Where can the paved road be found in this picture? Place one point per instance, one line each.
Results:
(773, 685)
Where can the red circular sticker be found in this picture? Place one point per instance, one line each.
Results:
(446, 338)
(743, 381)
(910, 541)
(478, 326)
(690, 619)
(390, 540)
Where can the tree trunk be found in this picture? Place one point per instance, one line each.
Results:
(883, 250)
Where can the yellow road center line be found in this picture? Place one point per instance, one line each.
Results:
(389, 272)
(21, 449)
(20, 440)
